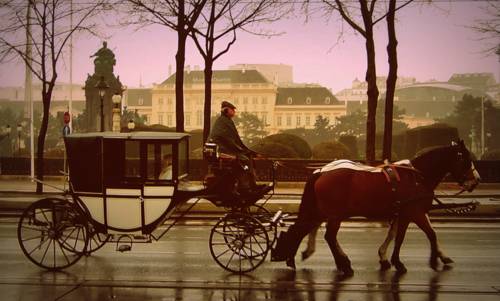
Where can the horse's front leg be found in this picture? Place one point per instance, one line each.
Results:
(424, 223)
(400, 236)
(341, 260)
(382, 251)
(311, 243)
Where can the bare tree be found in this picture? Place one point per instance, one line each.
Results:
(176, 15)
(44, 27)
(392, 57)
(489, 27)
(219, 24)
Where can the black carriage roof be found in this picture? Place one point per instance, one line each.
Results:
(171, 136)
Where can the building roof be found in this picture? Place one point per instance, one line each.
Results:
(134, 97)
(473, 80)
(221, 76)
(446, 86)
(305, 96)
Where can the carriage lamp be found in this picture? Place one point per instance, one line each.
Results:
(102, 86)
(131, 125)
(19, 129)
(117, 100)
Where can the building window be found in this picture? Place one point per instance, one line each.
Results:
(169, 101)
(308, 120)
(289, 100)
(160, 118)
(297, 120)
(245, 100)
(236, 100)
(264, 118)
(169, 119)
(160, 101)
(327, 100)
(427, 114)
(434, 98)
(255, 101)
(278, 121)
(288, 120)
(264, 100)
(188, 119)
(308, 100)
(198, 117)
(141, 101)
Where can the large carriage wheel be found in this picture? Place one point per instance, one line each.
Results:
(265, 216)
(239, 243)
(52, 233)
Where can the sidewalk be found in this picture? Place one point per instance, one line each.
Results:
(17, 193)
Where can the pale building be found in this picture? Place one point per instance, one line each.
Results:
(357, 92)
(299, 106)
(60, 97)
(278, 74)
(248, 90)
(140, 101)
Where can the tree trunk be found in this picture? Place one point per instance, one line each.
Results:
(371, 79)
(391, 80)
(41, 141)
(180, 58)
(207, 110)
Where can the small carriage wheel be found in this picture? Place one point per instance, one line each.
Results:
(96, 241)
(52, 234)
(265, 216)
(239, 243)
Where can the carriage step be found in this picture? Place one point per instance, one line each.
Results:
(124, 248)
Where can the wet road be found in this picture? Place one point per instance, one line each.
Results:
(180, 267)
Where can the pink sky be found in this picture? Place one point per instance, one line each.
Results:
(434, 43)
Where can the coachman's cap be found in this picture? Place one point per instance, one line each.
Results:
(227, 104)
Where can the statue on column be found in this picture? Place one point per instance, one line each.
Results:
(104, 63)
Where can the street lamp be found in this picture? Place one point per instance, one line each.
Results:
(117, 100)
(102, 86)
(131, 125)
(19, 129)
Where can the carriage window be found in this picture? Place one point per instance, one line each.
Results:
(132, 159)
(183, 159)
(159, 162)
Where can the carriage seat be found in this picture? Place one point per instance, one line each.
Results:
(190, 186)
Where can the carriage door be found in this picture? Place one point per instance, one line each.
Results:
(159, 185)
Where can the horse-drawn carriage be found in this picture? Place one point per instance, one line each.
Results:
(124, 187)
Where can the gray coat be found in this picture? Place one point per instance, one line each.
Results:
(225, 135)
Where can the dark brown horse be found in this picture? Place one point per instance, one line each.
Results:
(335, 195)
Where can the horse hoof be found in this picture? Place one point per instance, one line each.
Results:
(434, 264)
(347, 272)
(400, 268)
(385, 265)
(290, 262)
(447, 260)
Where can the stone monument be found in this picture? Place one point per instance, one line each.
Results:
(103, 67)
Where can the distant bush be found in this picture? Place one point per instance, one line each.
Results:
(275, 150)
(352, 144)
(297, 144)
(491, 155)
(331, 150)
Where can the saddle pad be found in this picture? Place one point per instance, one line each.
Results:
(347, 164)
(338, 164)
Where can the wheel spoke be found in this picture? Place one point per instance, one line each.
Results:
(39, 246)
(64, 241)
(64, 253)
(31, 238)
(45, 253)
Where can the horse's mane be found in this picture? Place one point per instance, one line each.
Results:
(429, 150)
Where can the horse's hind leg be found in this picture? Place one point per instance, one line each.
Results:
(311, 243)
(382, 251)
(400, 236)
(341, 260)
(424, 223)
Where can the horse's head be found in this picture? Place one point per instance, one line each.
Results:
(463, 170)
